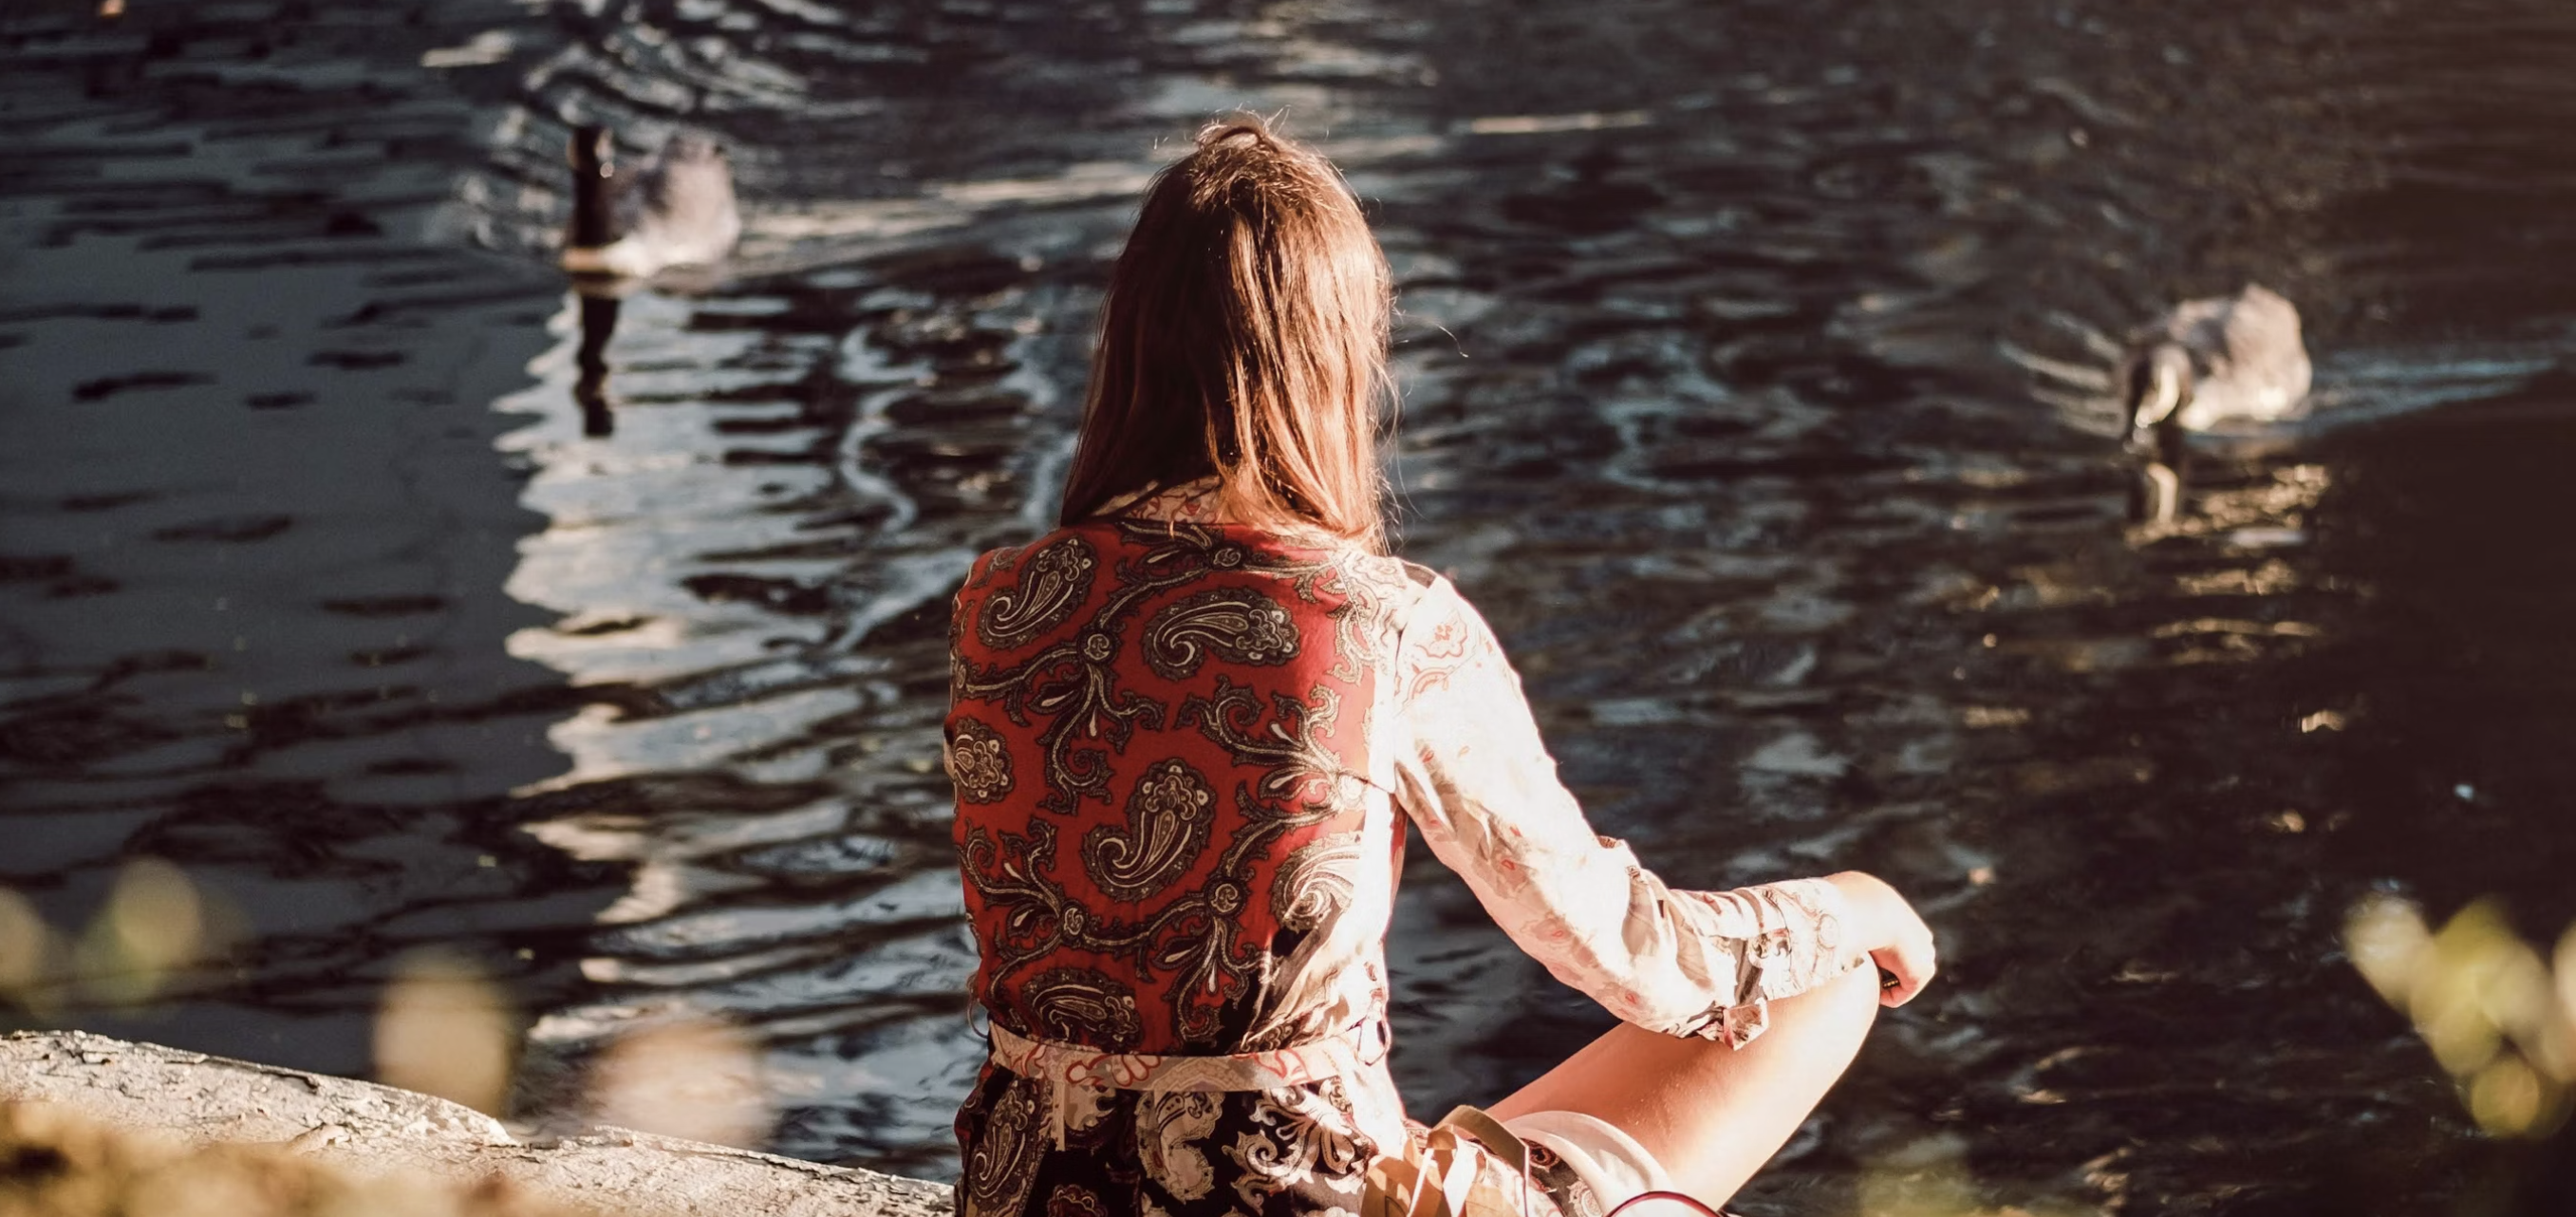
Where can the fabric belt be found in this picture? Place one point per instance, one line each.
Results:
(1074, 1073)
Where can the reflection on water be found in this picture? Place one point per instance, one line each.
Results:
(590, 362)
(1753, 365)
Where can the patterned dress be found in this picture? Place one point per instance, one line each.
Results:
(1180, 750)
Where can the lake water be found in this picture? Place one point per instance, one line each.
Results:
(1743, 363)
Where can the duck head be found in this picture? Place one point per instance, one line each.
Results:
(2159, 390)
(591, 151)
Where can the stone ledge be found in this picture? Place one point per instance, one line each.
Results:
(364, 1128)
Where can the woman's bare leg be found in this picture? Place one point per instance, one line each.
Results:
(1712, 1115)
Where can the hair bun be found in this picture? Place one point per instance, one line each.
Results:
(1240, 126)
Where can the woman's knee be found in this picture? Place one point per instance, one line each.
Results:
(1841, 1009)
(1859, 988)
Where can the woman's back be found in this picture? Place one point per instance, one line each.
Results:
(1158, 739)
(1177, 844)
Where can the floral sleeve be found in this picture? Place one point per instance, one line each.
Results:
(1473, 773)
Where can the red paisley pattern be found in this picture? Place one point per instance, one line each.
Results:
(1169, 701)
(1158, 731)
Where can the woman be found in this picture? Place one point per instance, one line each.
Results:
(1182, 728)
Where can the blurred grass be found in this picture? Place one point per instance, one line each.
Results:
(2499, 1018)
(443, 1026)
(54, 1163)
(155, 930)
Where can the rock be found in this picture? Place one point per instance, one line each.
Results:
(367, 1129)
(318, 1137)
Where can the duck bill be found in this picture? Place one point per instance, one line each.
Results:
(2156, 407)
(2164, 396)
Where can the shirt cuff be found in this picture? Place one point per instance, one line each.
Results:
(1801, 941)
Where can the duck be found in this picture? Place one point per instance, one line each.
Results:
(678, 210)
(2213, 363)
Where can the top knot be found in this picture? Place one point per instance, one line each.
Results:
(1240, 126)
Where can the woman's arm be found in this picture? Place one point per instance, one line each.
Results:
(1475, 776)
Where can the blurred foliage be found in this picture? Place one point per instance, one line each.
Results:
(2499, 1018)
(444, 1028)
(1930, 1178)
(54, 1163)
(26, 946)
(689, 1077)
(153, 931)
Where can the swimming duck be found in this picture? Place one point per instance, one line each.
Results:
(2208, 363)
(2215, 361)
(678, 211)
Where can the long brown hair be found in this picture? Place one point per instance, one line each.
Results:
(1244, 338)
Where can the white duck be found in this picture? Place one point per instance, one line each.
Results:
(678, 211)
(2209, 363)
(2215, 361)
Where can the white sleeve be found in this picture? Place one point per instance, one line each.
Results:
(1473, 773)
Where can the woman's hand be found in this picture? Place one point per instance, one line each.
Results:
(1893, 933)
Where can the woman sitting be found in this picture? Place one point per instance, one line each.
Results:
(1183, 728)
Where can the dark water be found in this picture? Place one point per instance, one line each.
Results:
(1720, 399)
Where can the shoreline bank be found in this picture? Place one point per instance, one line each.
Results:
(368, 1129)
